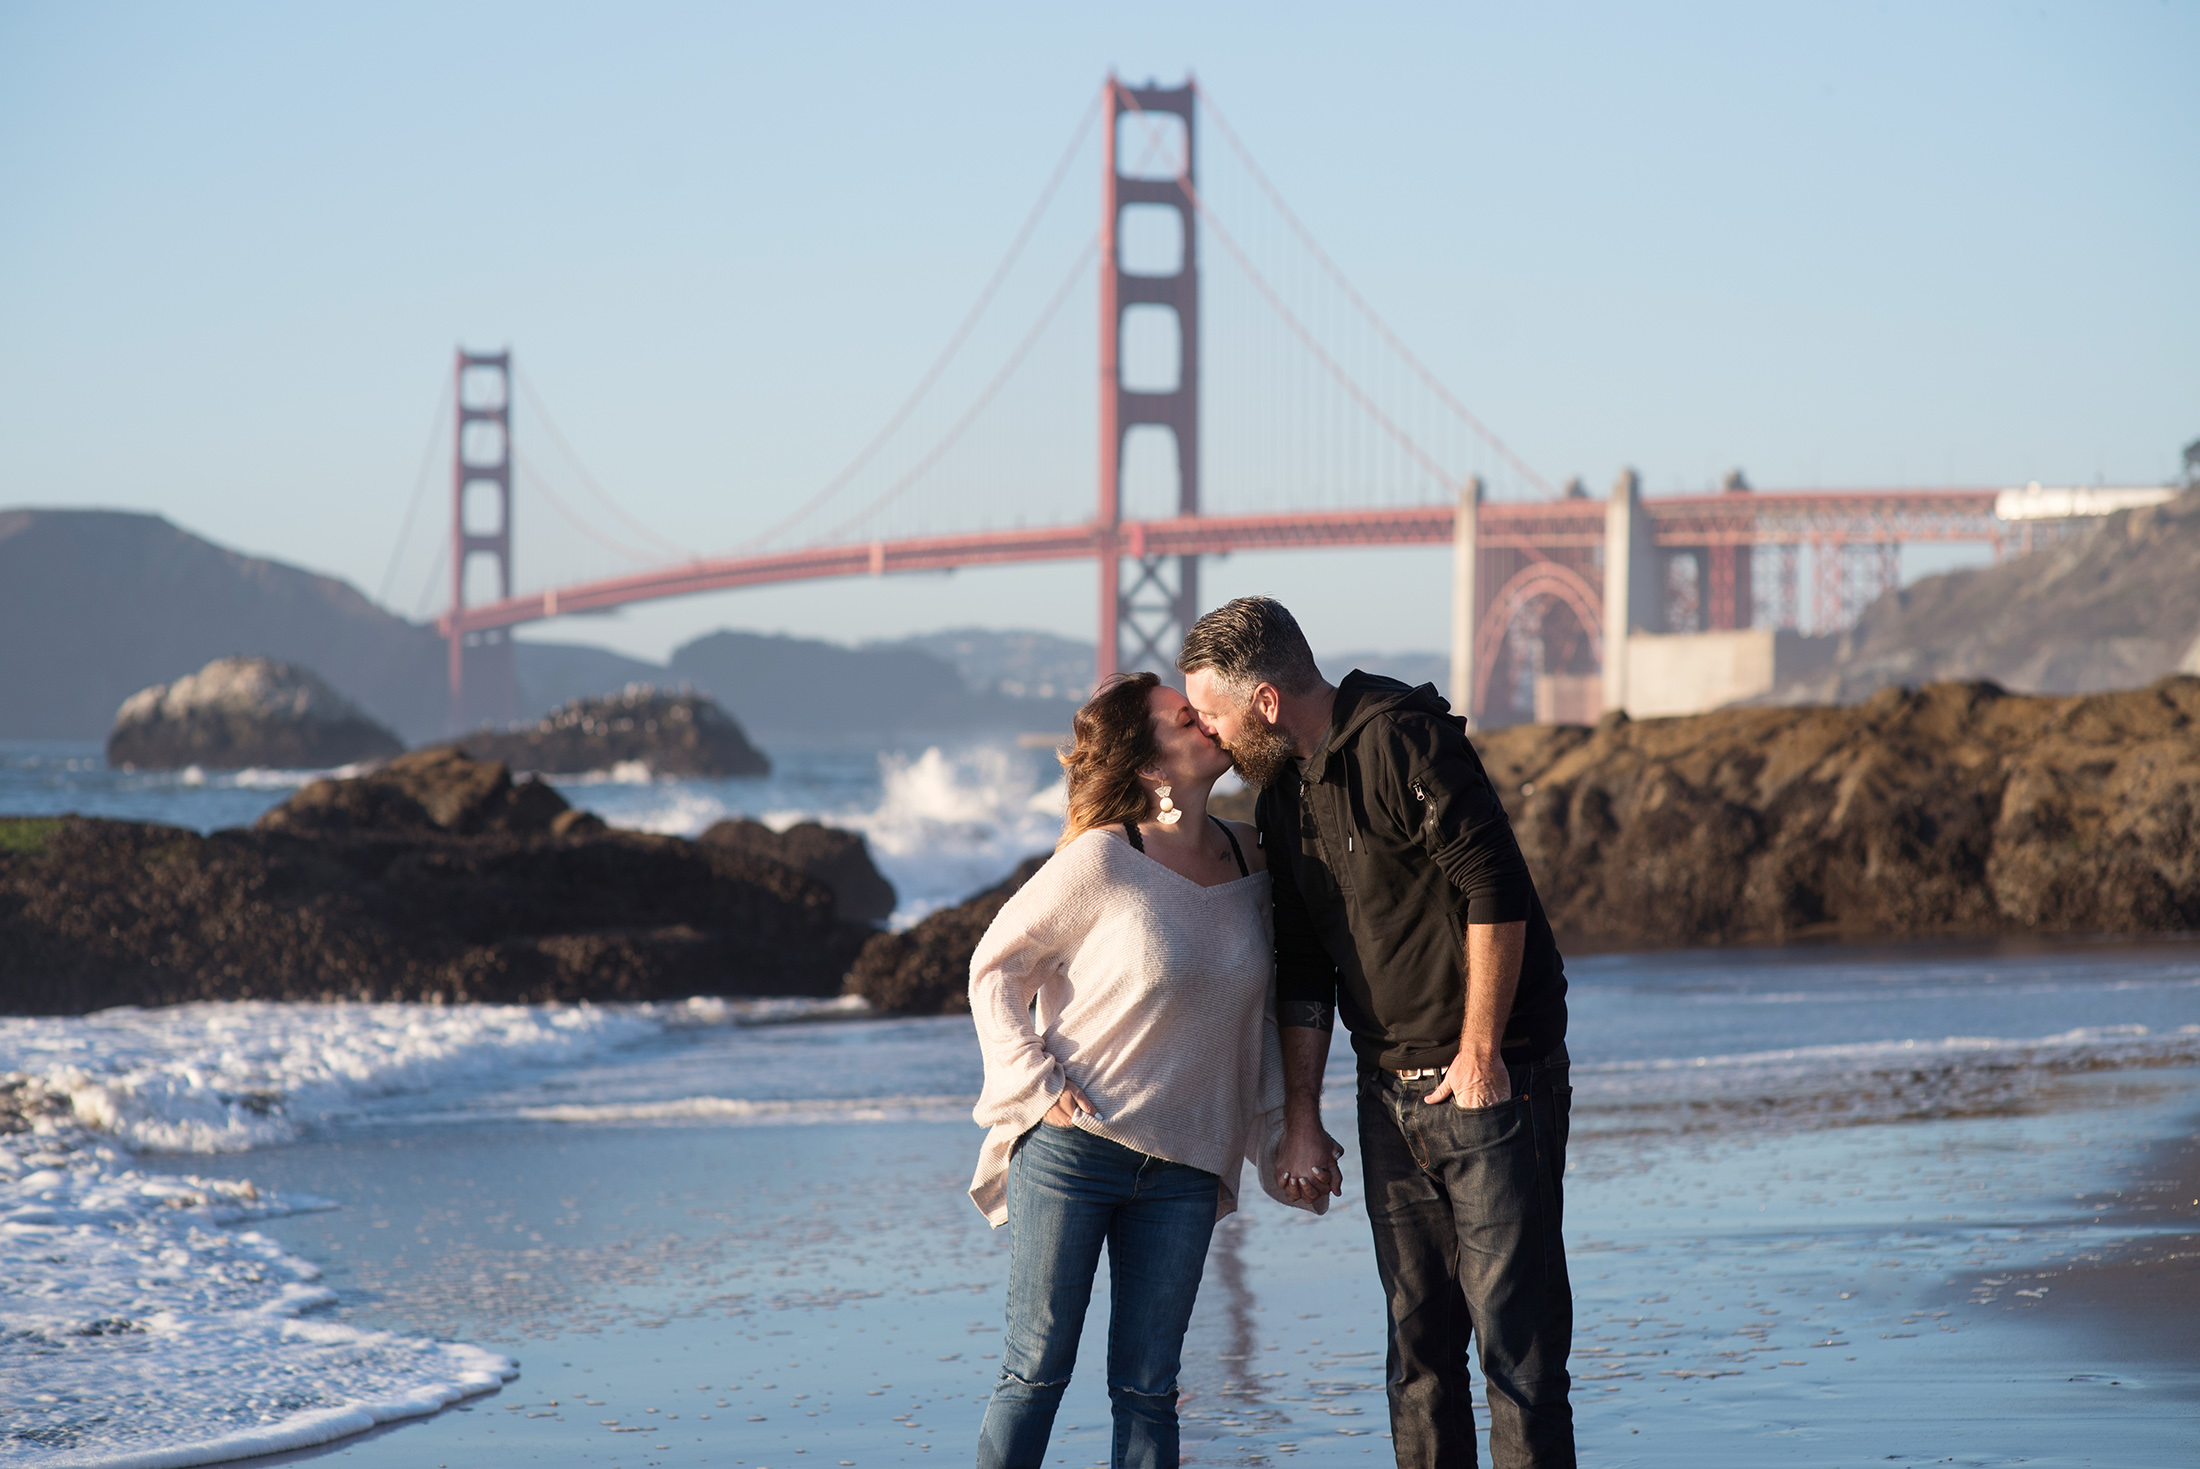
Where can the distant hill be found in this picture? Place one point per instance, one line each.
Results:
(785, 688)
(97, 604)
(1022, 665)
(2116, 608)
(550, 674)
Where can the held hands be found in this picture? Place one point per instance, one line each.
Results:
(1067, 1105)
(1306, 1164)
(1473, 1081)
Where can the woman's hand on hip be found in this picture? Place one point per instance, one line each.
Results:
(1066, 1107)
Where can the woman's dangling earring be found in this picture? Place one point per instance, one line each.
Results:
(1169, 816)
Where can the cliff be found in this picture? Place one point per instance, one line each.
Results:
(2114, 608)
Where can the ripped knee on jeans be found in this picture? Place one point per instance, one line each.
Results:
(1043, 1384)
(1166, 1397)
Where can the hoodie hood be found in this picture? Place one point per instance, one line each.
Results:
(1363, 696)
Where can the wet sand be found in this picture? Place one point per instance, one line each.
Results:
(2129, 1304)
(774, 1296)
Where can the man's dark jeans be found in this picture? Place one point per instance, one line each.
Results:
(1466, 1206)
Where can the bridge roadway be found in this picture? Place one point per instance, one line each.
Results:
(1841, 517)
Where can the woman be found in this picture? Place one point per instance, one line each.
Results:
(1122, 1000)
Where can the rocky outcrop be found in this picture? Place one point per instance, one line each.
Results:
(839, 859)
(1952, 809)
(679, 733)
(926, 971)
(442, 790)
(437, 877)
(239, 712)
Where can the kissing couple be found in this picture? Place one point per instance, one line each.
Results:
(1155, 1009)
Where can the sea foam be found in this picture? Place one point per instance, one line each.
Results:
(138, 1329)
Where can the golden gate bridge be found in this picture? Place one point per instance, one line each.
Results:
(1545, 581)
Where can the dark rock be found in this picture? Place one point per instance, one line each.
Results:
(839, 859)
(926, 971)
(1953, 809)
(437, 878)
(238, 712)
(442, 789)
(671, 733)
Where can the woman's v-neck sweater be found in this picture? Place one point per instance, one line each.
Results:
(1153, 996)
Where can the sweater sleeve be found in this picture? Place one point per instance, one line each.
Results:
(1463, 826)
(1026, 946)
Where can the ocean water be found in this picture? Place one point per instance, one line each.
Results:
(1813, 1198)
(941, 824)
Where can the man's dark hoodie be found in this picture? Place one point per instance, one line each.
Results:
(1384, 842)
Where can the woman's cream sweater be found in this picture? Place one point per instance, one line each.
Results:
(1154, 996)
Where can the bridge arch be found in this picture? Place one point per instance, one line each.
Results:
(1533, 587)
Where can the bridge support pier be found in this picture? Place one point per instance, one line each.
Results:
(1466, 553)
(484, 682)
(1143, 624)
(1634, 596)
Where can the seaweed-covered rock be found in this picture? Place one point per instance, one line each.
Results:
(241, 712)
(926, 971)
(436, 878)
(678, 733)
(839, 859)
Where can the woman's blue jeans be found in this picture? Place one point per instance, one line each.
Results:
(1068, 1192)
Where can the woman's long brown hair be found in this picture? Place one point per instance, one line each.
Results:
(1112, 741)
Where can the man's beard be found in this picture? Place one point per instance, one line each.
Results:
(1261, 750)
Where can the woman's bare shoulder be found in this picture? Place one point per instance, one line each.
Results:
(1248, 835)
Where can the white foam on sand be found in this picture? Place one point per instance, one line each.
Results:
(141, 1332)
(220, 1077)
(138, 1329)
(743, 1110)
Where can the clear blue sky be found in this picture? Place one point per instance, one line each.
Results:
(1834, 244)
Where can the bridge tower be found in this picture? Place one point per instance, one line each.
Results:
(484, 683)
(1144, 609)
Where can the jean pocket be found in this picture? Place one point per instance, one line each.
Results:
(1484, 1127)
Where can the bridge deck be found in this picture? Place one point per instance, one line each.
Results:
(1756, 518)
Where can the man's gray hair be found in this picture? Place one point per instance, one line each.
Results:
(1251, 641)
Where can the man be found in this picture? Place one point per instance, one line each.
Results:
(1402, 899)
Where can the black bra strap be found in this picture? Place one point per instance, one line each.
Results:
(1235, 850)
(1138, 843)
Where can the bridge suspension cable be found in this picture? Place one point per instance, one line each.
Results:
(986, 396)
(541, 485)
(595, 486)
(419, 491)
(947, 355)
(1366, 308)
